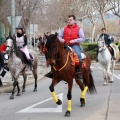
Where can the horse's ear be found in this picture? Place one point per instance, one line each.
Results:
(56, 34)
(45, 36)
(103, 37)
(5, 36)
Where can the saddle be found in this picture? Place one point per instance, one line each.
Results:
(73, 55)
(24, 58)
(111, 50)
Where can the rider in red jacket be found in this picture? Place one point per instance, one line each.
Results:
(2, 65)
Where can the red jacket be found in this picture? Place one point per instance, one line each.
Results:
(71, 33)
(3, 47)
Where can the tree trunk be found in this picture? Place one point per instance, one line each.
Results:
(93, 32)
(103, 19)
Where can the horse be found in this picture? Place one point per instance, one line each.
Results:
(60, 62)
(106, 61)
(17, 66)
(41, 43)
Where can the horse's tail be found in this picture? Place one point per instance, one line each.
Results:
(116, 51)
(91, 86)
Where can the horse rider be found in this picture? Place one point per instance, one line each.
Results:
(73, 35)
(2, 64)
(21, 42)
(107, 41)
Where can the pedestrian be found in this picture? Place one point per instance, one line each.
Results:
(21, 42)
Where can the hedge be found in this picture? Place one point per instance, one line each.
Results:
(91, 49)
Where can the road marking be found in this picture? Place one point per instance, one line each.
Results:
(117, 76)
(30, 109)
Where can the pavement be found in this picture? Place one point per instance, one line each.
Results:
(42, 70)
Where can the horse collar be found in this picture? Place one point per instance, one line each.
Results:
(63, 65)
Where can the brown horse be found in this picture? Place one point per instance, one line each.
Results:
(41, 44)
(62, 69)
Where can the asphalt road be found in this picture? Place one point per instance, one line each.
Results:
(39, 105)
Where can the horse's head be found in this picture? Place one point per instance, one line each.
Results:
(52, 48)
(9, 44)
(101, 44)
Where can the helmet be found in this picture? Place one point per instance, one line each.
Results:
(19, 27)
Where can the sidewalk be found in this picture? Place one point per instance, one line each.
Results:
(8, 83)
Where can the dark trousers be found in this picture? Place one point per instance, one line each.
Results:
(1, 60)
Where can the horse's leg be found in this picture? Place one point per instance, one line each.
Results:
(107, 73)
(104, 75)
(82, 99)
(69, 97)
(18, 88)
(113, 65)
(35, 77)
(13, 91)
(24, 82)
(54, 82)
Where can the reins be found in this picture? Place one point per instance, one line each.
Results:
(63, 65)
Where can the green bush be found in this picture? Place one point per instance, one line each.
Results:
(90, 49)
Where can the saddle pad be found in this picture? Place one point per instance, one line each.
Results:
(83, 55)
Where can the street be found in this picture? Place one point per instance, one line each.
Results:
(39, 105)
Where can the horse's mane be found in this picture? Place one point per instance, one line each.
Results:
(17, 50)
(52, 39)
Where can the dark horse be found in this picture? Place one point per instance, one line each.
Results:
(62, 69)
(17, 65)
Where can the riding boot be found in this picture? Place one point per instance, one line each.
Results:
(1, 84)
(79, 71)
(3, 73)
(49, 75)
(31, 65)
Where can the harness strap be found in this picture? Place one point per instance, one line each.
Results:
(63, 65)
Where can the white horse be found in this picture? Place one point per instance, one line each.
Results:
(17, 66)
(106, 61)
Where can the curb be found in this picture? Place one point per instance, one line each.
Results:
(30, 80)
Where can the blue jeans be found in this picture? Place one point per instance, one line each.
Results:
(78, 51)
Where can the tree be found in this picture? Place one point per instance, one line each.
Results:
(102, 6)
(115, 4)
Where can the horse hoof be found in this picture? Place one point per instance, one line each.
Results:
(11, 97)
(35, 90)
(104, 84)
(23, 90)
(67, 114)
(82, 100)
(59, 102)
(110, 81)
(18, 94)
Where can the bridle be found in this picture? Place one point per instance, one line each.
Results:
(58, 59)
(10, 48)
(103, 45)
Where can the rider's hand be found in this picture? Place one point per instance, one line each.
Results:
(72, 41)
(19, 47)
(62, 40)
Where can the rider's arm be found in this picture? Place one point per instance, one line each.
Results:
(25, 41)
(81, 37)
